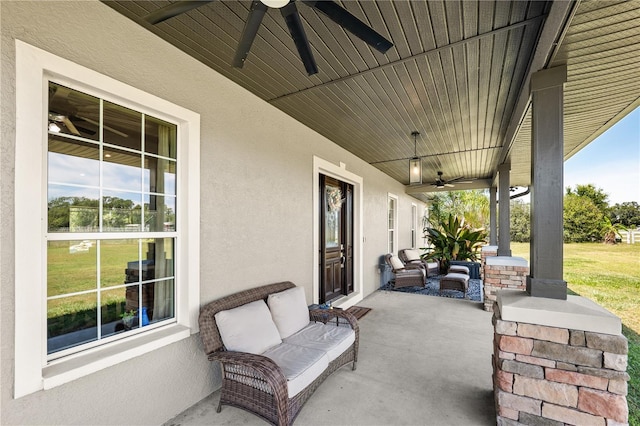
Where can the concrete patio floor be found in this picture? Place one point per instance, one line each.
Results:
(423, 360)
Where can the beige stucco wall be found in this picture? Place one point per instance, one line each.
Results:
(256, 205)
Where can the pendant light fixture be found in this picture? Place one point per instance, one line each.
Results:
(415, 164)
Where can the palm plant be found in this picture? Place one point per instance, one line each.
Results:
(611, 230)
(451, 240)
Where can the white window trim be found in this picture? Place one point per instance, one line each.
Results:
(414, 225)
(32, 373)
(321, 166)
(395, 224)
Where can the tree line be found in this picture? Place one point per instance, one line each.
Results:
(587, 213)
(588, 217)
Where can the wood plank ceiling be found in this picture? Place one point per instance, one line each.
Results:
(455, 74)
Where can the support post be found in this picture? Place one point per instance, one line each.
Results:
(504, 238)
(547, 157)
(493, 216)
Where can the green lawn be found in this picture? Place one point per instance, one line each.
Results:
(74, 272)
(609, 275)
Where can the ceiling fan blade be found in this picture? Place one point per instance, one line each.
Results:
(70, 126)
(459, 180)
(173, 9)
(449, 185)
(352, 24)
(292, 17)
(256, 13)
(111, 129)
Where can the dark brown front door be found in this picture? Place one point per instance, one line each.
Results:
(336, 238)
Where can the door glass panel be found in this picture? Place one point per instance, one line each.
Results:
(332, 216)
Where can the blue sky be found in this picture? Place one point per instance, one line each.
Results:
(611, 162)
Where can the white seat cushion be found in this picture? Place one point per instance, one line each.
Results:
(326, 337)
(300, 365)
(248, 328)
(454, 276)
(289, 310)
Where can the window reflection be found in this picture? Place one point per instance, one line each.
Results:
(159, 175)
(115, 256)
(121, 212)
(160, 137)
(149, 274)
(71, 266)
(74, 162)
(160, 213)
(121, 169)
(73, 113)
(72, 209)
(122, 126)
(71, 321)
(99, 287)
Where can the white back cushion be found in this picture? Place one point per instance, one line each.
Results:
(248, 328)
(396, 263)
(412, 254)
(289, 311)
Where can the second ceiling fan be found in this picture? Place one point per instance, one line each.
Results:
(289, 11)
(440, 182)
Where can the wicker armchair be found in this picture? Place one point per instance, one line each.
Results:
(412, 256)
(406, 275)
(254, 382)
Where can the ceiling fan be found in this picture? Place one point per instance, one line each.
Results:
(442, 183)
(289, 12)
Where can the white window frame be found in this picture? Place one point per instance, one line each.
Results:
(392, 240)
(34, 68)
(414, 225)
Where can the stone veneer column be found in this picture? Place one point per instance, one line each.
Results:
(487, 251)
(503, 272)
(567, 368)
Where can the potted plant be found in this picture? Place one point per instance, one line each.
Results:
(127, 318)
(453, 240)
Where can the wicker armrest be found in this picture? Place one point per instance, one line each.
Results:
(416, 265)
(265, 369)
(342, 317)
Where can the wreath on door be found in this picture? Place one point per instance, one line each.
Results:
(334, 199)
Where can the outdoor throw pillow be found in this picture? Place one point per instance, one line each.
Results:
(289, 311)
(248, 328)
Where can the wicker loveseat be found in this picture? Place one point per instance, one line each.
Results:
(272, 384)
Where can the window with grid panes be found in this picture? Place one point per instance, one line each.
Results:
(392, 219)
(111, 221)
